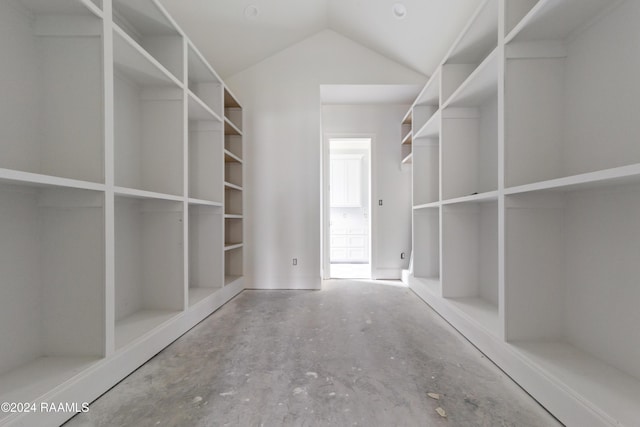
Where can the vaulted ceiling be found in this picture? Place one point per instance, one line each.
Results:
(235, 34)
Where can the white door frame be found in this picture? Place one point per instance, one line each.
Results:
(326, 200)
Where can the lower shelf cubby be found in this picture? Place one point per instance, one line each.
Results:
(205, 252)
(233, 265)
(233, 144)
(571, 306)
(233, 173)
(232, 200)
(426, 248)
(52, 293)
(149, 281)
(233, 231)
(470, 260)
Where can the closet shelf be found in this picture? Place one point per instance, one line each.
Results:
(136, 63)
(92, 7)
(408, 139)
(431, 205)
(479, 311)
(39, 180)
(197, 294)
(232, 186)
(480, 85)
(229, 157)
(140, 323)
(229, 280)
(473, 198)
(406, 120)
(602, 178)
(199, 70)
(230, 128)
(198, 110)
(34, 379)
(201, 202)
(433, 285)
(142, 194)
(588, 379)
(431, 128)
(557, 19)
(478, 38)
(430, 94)
(230, 100)
(408, 159)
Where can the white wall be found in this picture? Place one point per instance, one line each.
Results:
(390, 182)
(281, 101)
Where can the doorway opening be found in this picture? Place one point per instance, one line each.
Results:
(349, 205)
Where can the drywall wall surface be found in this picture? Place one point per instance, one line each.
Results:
(281, 103)
(391, 183)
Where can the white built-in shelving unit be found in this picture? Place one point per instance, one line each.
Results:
(121, 187)
(233, 190)
(526, 199)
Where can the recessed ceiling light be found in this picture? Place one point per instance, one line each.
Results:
(251, 11)
(399, 11)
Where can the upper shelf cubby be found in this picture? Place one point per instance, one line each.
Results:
(407, 119)
(477, 41)
(146, 22)
(137, 64)
(552, 19)
(554, 128)
(406, 137)
(232, 109)
(51, 76)
(479, 37)
(427, 102)
(148, 121)
(203, 81)
(514, 11)
(480, 85)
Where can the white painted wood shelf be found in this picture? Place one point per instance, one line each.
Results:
(408, 159)
(230, 157)
(112, 195)
(229, 246)
(526, 199)
(40, 376)
(142, 322)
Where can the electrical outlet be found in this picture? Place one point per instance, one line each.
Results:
(380, 202)
(402, 255)
(295, 261)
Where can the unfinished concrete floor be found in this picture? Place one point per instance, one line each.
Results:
(354, 353)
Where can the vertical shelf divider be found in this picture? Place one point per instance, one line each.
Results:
(109, 170)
